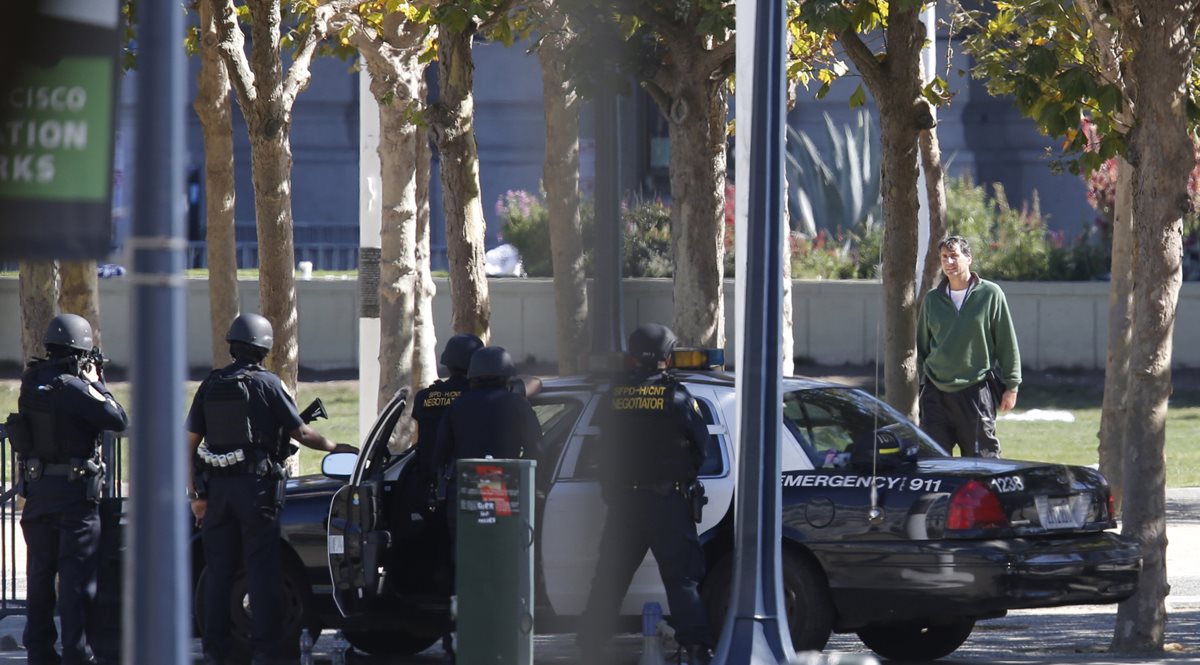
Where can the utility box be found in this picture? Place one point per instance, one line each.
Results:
(494, 555)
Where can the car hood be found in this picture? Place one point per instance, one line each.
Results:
(313, 484)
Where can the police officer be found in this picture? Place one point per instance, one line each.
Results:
(431, 403)
(64, 406)
(653, 439)
(244, 417)
(489, 419)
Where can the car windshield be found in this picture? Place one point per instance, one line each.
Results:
(828, 421)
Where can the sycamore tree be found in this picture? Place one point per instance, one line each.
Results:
(394, 42)
(212, 107)
(79, 292)
(452, 124)
(884, 41)
(266, 94)
(37, 285)
(1131, 66)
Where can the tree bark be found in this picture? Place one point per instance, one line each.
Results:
(79, 293)
(1160, 149)
(38, 288)
(695, 106)
(216, 120)
(454, 133)
(935, 191)
(895, 83)
(424, 334)
(1114, 412)
(561, 180)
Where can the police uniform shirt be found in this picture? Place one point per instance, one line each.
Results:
(272, 410)
(81, 410)
(429, 406)
(488, 421)
(652, 431)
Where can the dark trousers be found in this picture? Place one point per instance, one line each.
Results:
(966, 418)
(62, 535)
(241, 528)
(641, 520)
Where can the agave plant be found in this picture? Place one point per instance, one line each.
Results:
(841, 193)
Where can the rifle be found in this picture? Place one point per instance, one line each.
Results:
(314, 410)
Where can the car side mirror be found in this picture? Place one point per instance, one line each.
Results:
(339, 465)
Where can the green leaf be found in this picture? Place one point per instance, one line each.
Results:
(1041, 61)
(1109, 98)
(859, 98)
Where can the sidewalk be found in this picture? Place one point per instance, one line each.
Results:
(1077, 634)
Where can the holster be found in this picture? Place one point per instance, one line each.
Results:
(695, 493)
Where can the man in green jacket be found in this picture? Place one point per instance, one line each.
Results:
(964, 330)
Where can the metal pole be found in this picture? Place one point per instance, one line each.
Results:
(605, 311)
(756, 629)
(157, 626)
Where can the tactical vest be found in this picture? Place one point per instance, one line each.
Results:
(227, 413)
(38, 407)
(654, 446)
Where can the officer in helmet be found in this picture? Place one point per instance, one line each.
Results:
(431, 403)
(489, 419)
(63, 409)
(653, 439)
(237, 449)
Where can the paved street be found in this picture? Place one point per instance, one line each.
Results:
(1045, 637)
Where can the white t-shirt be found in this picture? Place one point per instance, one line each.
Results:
(958, 297)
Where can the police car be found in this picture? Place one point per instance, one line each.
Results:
(884, 534)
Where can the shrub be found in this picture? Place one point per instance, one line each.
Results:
(647, 228)
(525, 223)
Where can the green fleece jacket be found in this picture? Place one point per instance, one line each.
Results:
(956, 348)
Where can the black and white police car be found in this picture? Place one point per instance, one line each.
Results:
(953, 541)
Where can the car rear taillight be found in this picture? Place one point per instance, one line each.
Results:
(1112, 507)
(974, 506)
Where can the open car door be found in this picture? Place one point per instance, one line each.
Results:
(358, 538)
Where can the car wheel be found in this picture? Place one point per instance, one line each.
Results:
(390, 643)
(806, 600)
(293, 608)
(916, 640)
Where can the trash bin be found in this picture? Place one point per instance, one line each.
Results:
(494, 555)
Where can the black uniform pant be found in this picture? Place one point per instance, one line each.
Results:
(241, 528)
(966, 418)
(62, 535)
(641, 520)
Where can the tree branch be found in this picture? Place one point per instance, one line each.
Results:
(659, 95)
(300, 73)
(864, 59)
(231, 44)
(720, 59)
(498, 13)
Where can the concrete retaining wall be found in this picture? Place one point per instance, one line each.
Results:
(1060, 324)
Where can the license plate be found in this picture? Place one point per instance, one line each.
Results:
(337, 545)
(1056, 512)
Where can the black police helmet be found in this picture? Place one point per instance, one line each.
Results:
(651, 343)
(491, 361)
(251, 329)
(459, 349)
(69, 330)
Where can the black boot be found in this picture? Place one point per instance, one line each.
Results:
(698, 655)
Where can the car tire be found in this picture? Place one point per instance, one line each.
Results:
(916, 640)
(807, 603)
(295, 613)
(390, 643)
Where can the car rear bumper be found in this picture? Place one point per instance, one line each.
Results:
(890, 581)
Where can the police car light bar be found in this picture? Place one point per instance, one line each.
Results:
(697, 359)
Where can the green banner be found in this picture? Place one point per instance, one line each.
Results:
(56, 135)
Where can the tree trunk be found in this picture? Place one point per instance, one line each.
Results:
(398, 235)
(1160, 146)
(271, 166)
(561, 180)
(935, 191)
(895, 83)
(696, 115)
(900, 206)
(38, 287)
(424, 334)
(212, 108)
(454, 132)
(1114, 413)
(79, 293)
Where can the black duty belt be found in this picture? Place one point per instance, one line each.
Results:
(56, 469)
(661, 487)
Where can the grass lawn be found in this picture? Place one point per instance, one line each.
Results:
(1070, 443)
